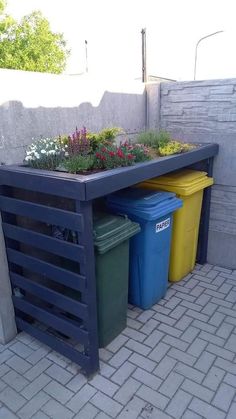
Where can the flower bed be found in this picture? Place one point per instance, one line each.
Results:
(85, 152)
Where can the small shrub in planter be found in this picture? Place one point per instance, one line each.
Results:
(46, 153)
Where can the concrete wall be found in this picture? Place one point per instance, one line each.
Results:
(205, 111)
(34, 105)
(37, 104)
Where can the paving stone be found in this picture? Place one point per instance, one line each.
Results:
(225, 365)
(4, 369)
(230, 379)
(37, 369)
(178, 404)
(138, 347)
(145, 316)
(159, 352)
(55, 410)
(197, 390)
(142, 362)
(184, 322)
(190, 334)
(120, 357)
(117, 343)
(213, 378)
(231, 343)
(58, 391)
(171, 384)
(133, 324)
(59, 359)
(133, 409)
(205, 410)
(21, 349)
(149, 326)
(164, 367)
(203, 299)
(40, 415)
(154, 414)
(197, 291)
(209, 309)
(6, 355)
(212, 338)
(232, 412)
(37, 355)
(106, 370)
(164, 319)
(104, 354)
(153, 397)
(175, 342)
(33, 388)
(87, 412)
(134, 334)
(127, 391)
(191, 305)
(76, 383)
(169, 330)
(196, 348)
(224, 397)
(146, 378)
(30, 408)
(104, 385)
(106, 404)
(12, 399)
(198, 316)
(154, 338)
(123, 373)
(160, 309)
(58, 373)
(81, 398)
(18, 364)
(204, 362)
(15, 380)
(218, 351)
(231, 297)
(204, 326)
(225, 330)
(189, 372)
(178, 312)
(216, 319)
(6, 414)
(189, 414)
(182, 356)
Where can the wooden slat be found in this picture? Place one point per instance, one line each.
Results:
(48, 182)
(49, 215)
(54, 343)
(49, 319)
(55, 273)
(68, 304)
(42, 241)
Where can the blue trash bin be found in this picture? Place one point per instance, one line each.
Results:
(149, 249)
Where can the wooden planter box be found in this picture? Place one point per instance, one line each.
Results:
(31, 201)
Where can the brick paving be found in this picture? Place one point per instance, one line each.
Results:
(176, 360)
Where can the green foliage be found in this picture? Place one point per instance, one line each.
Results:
(2, 6)
(79, 163)
(31, 45)
(154, 139)
(103, 137)
(174, 147)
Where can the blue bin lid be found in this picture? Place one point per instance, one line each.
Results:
(144, 203)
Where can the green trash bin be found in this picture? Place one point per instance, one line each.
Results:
(111, 242)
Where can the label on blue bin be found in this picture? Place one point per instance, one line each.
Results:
(162, 225)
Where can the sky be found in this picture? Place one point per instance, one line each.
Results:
(112, 29)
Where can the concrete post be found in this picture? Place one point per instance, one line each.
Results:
(7, 318)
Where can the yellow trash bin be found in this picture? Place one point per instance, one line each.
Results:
(188, 186)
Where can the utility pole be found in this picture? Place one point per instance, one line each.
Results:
(144, 56)
(86, 56)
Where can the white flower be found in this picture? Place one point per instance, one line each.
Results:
(43, 151)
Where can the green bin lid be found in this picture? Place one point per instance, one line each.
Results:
(110, 230)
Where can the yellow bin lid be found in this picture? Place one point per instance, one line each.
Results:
(184, 182)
